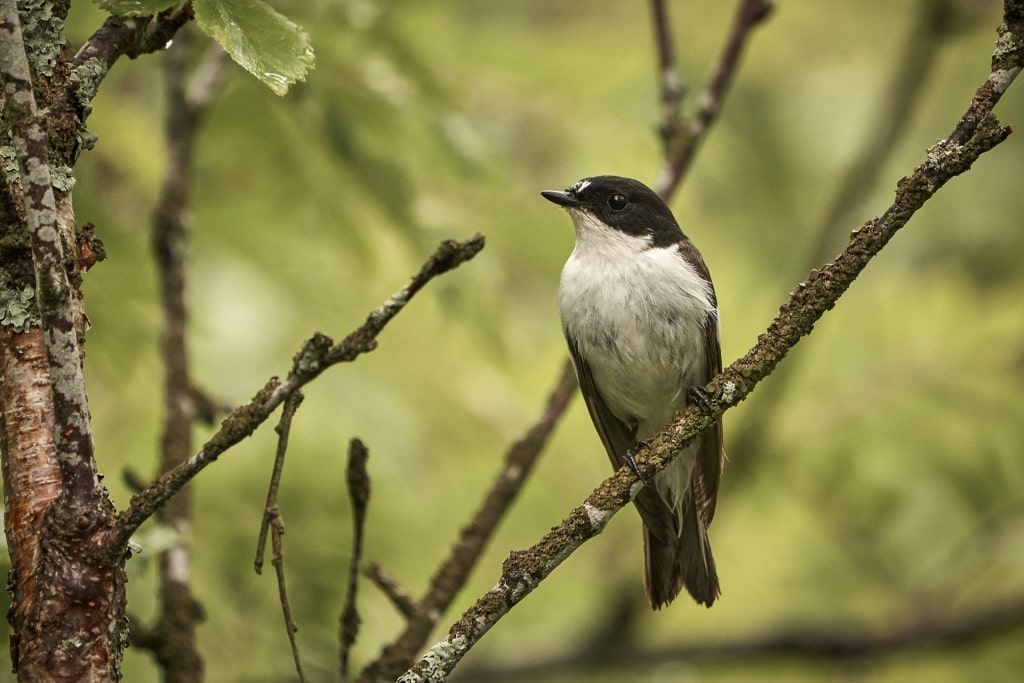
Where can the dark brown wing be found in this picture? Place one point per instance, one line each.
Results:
(708, 470)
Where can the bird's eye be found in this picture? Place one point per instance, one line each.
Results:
(618, 202)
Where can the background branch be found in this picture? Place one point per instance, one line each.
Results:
(357, 481)
(822, 642)
(173, 637)
(682, 147)
(673, 91)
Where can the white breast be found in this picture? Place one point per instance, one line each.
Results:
(637, 315)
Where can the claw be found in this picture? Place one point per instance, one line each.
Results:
(699, 395)
(630, 458)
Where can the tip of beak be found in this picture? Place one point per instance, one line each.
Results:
(563, 199)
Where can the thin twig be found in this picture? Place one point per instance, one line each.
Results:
(681, 151)
(673, 91)
(276, 533)
(273, 523)
(977, 132)
(400, 598)
(270, 510)
(357, 480)
(315, 356)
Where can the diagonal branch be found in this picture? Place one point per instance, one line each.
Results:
(124, 36)
(977, 132)
(316, 355)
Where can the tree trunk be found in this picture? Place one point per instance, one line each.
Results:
(67, 580)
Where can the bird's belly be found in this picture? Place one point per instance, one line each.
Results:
(642, 362)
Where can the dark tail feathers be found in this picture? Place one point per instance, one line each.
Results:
(674, 561)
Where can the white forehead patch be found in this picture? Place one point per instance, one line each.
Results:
(580, 186)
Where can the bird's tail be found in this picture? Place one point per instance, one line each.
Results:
(678, 554)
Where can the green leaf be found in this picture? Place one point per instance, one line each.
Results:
(265, 43)
(135, 8)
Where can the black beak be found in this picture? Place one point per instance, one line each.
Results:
(561, 198)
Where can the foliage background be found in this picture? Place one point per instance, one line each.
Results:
(887, 482)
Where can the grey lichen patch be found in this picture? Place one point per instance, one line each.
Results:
(1009, 48)
(87, 139)
(599, 517)
(433, 666)
(87, 76)
(9, 160)
(62, 178)
(42, 29)
(1002, 78)
(18, 310)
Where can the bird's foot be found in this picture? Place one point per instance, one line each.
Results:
(630, 458)
(700, 396)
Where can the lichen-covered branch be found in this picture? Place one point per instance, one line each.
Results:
(123, 36)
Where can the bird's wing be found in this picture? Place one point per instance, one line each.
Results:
(711, 458)
(617, 436)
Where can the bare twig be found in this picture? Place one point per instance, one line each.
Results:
(358, 483)
(277, 559)
(673, 91)
(389, 586)
(270, 509)
(977, 132)
(453, 572)
(274, 524)
(681, 150)
(316, 355)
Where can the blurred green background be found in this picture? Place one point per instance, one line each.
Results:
(876, 480)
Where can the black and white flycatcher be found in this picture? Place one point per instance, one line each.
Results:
(639, 313)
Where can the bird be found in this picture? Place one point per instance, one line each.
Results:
(640, 316)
